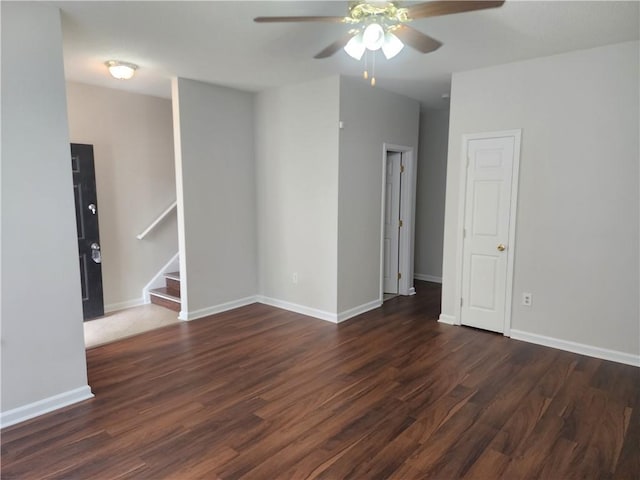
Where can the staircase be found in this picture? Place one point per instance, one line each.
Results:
(169, 296)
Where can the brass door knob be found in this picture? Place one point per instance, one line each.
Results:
(501, 247)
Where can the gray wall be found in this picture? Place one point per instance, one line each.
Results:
(319, 190)
(132, 138)
(215, 184)
(577, 228)
(297, 165)
(371, 117)
(430, 195)
(42, 338)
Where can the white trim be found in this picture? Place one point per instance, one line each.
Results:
(158, 279)
(114, 307)
(182, 241)
(360, 309)
(515, 182)
(294, 307)
(427, 278)
(448, 319)
(591, 351)
(223, 307)
(407, 212)
(382, 213)
(46, 405)
(412, 290)
(155, 223)
(166, 296)
(517, 135)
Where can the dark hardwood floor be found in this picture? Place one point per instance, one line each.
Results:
(263, 393)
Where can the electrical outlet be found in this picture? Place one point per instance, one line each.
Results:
(294, 277)
(527, 299)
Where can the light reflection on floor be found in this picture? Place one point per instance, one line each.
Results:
(125, 323)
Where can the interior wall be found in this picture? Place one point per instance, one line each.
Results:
(430, 193)
(42, 352)
(371, 117)
(215, 185)
(577, 240)
(132, 138)
(297, 172)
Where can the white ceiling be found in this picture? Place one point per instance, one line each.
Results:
(218, 42)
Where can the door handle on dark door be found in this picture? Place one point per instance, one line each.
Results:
(92, 208)
(96, 256)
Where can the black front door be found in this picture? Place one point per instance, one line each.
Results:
(84, 189)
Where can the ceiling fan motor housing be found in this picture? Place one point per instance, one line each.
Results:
(361, 12)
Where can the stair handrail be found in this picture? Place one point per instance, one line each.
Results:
(157, 220)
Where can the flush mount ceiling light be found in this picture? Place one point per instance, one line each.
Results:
(121, 70)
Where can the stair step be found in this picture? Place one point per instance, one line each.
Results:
(164, 298)
(173, 276)
(173, 286)
(172, 280)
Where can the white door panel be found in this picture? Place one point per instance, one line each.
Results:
(486, 203)
(483, 270)
(486, 232)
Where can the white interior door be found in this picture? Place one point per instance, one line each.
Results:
(392, 222)
(486, 232)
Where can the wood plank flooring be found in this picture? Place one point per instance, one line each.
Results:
(261, 393)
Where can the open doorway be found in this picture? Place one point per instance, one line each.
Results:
(133, 151)
(397, 219)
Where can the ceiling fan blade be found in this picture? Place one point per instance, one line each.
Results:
(415, 39)
(337, 45)
(434, 9)
(298, 19)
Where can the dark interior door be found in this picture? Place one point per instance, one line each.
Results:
(84, 189)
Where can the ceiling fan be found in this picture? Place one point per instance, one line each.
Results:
(383, 25)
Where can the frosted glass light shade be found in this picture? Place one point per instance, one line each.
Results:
(373, 36)
(391, 46)
(355, 48)
(121, 70)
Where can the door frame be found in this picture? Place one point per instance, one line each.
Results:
(462, 194)
(407, 214)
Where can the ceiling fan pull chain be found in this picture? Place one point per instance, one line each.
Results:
(373, 69)
(365, 75)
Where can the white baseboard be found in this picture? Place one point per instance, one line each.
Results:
(294, 307)
(223, 307)
(591, 351)
(412, 291)
(360, 309)
(158, 279)
(114, 307)
(427, 278)
(46, 405)
(448, 319)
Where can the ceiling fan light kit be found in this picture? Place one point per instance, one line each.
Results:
(355, 47)
(373, 36)
(392, 45)
(382, 26)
